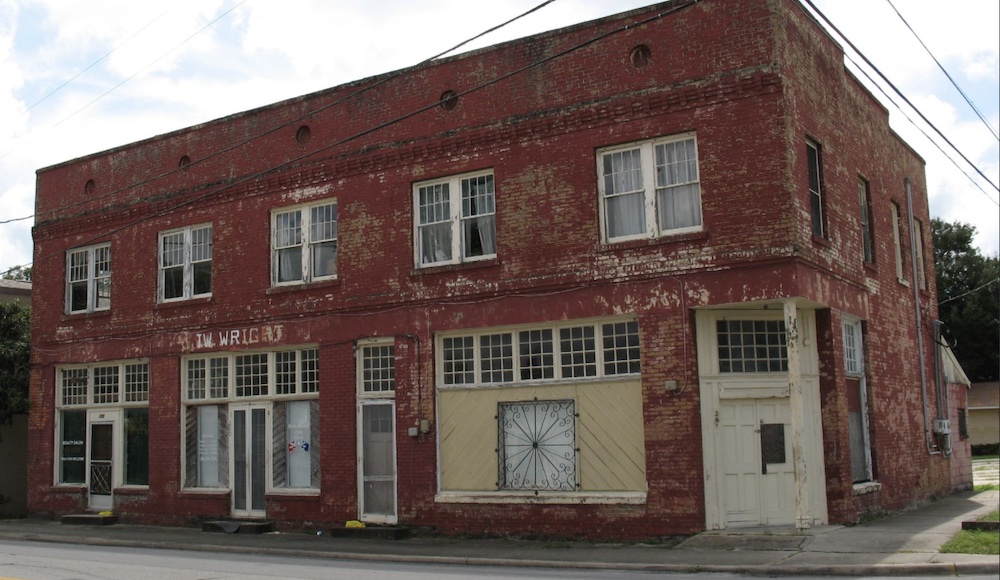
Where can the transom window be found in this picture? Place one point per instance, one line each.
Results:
(551, 353)
(244, 375)
(304, 244)
(88, 279)
(103, 384)
(455, 219)
(752, 346)
(650, 189)
(186, 263)
(377, 369)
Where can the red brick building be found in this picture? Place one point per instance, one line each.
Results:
(655, 272)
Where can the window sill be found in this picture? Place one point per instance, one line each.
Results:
(657, 241)
(821, 241)
(307, 494)
(331, 283)
(132, 490)
(543, 497)
(867, 487)
(460, 267)
(86, 315)
(197, 301)
(870, 267)
(204, 492)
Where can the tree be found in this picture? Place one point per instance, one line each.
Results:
(17, 273)
(15, 360)
(968, 284)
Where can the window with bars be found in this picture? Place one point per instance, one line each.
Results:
(377, 369)
(752, 346)
(650, 189)
(186, 263)
(88, 279)
(304, 244)
(537, 446)
(455, 219)
(539, 354)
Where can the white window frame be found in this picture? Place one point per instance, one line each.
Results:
(652, 228)
(558, 355)
(96, 282)
(219, 390)
(370, 351)
(456, 221)
(188, 262)
(309, 241)
(124, 398)
(854, 367)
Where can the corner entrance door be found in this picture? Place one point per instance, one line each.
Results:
(249, 445)
(377, 455)
(100, 480)
(759, 477)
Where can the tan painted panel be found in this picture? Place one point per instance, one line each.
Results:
(609, 434)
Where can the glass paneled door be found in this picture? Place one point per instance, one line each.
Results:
(249, 445)
(378, 462)
(101, 465)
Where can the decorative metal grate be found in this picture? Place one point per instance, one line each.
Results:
(100, 477)
(537, 445)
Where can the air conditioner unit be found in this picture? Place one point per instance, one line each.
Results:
(942, 426)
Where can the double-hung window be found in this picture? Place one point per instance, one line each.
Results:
(857, 400)
(650, 189)
(867, 228)
(455, 219)
(88, 279)
(186, 263)
(815, 189)
(304, 244)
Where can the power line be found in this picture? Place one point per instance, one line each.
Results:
(921, 129)
(362, 133)
(940, 66)
(132, 76)
(900, 93)
(964, 294)
(280, 126)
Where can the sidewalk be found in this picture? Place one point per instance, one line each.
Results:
(902, 544)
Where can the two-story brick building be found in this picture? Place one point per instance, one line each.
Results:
(651, 274)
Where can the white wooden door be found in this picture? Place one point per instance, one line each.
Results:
(758, 476)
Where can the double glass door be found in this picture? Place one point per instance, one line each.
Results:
(249, 445)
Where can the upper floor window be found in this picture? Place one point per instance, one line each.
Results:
(304, 244)
(918, 247)
(815, 189)
(186, 263)
(897, 243)
(649, 189)
(88, 279)
(867, 229)
(455, 219)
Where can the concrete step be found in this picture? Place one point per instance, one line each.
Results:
(237, 527)
(88, 520)
(372, 532)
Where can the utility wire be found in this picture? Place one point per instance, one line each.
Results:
(298, 119)
(898, 92)
(135, 74)
(95, 63)
(940, 66)
(921, 129)
(964, 294)
(244, 179)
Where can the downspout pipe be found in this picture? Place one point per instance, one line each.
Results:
(928, 435)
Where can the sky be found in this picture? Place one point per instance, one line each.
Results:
(79, 76)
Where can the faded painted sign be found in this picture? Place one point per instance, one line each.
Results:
(266, 334)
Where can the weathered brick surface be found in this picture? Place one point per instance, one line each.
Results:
(753, 79)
